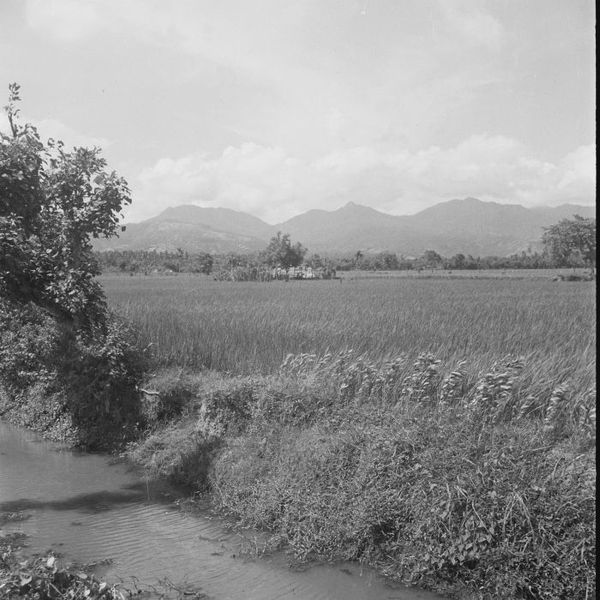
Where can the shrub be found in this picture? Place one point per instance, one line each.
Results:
(78, 386)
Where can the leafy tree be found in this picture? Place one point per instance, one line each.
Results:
(52, 201)
(572, 238)
(457, 261)
(281, 253)
(61, 352)
(357, 258)
(203, 263)
(431, 259)
(387, 261)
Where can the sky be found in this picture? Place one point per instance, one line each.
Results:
(275, 107)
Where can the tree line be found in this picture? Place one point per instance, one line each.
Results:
(569, 243)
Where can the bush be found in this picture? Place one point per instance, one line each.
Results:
(77, 386)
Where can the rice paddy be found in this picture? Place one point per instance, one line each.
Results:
(243, 328)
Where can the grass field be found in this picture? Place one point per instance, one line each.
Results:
(193, 321)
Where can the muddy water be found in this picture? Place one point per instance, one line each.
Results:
(91, 509)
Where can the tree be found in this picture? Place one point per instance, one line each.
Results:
(52, 202)
(570, 239)
(57, 336)
(457, 261)
(431, 259)
(281, 253)
(387, 261)
(203, 263)
(357, 258)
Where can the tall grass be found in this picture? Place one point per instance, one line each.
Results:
(441, 430)
(475, 484)
(250, 327)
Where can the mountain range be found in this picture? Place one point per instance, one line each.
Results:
(469, 226)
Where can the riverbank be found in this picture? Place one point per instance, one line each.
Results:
(476, 484)
(48, 577)
(471, 482)
(146, 535)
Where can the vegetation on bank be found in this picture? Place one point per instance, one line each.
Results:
(47, 577)
(474, 475)
(477, 481)
(72, 387)
(42, 578)
(66, 363)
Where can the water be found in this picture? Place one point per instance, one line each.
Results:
(92, 509)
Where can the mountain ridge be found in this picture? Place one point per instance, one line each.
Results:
(468, 225)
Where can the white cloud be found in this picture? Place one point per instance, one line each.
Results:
(268, 183)
(52, 128)
(578, 170)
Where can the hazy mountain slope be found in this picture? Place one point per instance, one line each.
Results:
(220, 219)
(469, 226)
(194, 229)
(487, 227)
(346, 229)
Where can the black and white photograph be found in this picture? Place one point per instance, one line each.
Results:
(298, 299)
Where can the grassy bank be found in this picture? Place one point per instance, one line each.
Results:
(479, 483)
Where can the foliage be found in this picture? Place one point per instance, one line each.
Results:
(43, 579)
(78, 388)
(46, 577)
(152, 261)
(570, 237)
(64, 358)
(51, 202)
(458, 478)
(281, 253)
(431, 259)
(388, 261)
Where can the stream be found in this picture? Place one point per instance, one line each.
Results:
(94, 509)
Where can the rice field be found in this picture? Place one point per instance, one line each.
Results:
(250, 327)
(453, 474)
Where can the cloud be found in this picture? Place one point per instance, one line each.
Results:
(578, 171)
(52, 128)
(64, 20)
(267, 182)
(473, 24)
(253, 178)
